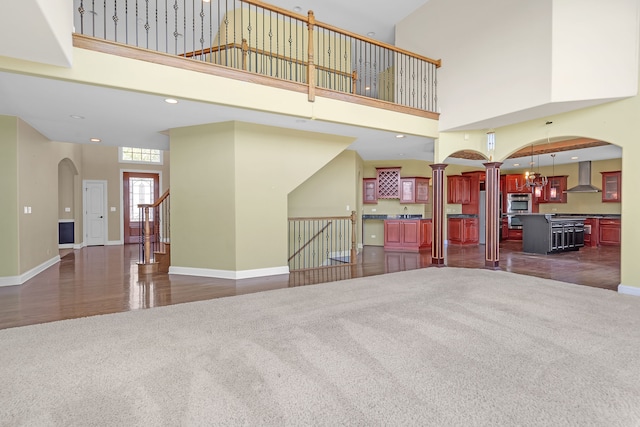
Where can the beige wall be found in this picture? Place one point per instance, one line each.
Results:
(101, 163)
(230, 202)
(9, 244)
(37, 172)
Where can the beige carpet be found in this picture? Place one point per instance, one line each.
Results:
(424, 347)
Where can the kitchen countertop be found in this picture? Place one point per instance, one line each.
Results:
(462, 216)
(399, 216)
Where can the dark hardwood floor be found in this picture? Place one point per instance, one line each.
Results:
(104, 279)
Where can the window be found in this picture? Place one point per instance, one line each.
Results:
(140, 155)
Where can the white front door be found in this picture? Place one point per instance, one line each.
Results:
(95, 213)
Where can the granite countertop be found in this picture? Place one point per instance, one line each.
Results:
(462, 216)
(569, 215)
(386, 216)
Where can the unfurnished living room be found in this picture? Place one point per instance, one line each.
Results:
(301, 212)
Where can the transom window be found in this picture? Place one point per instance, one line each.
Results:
(140, 155)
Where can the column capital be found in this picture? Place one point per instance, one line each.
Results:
(492, 165)
(438, 166)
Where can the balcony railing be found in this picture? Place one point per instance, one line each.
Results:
(256, 37)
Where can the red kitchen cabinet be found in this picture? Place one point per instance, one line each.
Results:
(370, 191)
(463, 231)
(414, 190)
(611, 187)
(407, 234)
(459, 190)
(609, 232)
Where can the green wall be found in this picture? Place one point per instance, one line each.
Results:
(9, 244)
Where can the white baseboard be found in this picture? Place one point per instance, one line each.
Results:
(66, 246)
(79, 245)
(19, 280)
(629, 290)
(114, 243)
(228, 274)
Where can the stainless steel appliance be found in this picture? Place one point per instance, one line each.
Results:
(514, 222)
(518, 203)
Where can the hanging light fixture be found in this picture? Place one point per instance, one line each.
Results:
(533, 181)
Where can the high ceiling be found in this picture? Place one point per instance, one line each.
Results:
(48, 105)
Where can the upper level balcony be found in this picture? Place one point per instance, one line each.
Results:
(253, 41)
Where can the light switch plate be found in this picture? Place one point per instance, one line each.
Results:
(113, 208)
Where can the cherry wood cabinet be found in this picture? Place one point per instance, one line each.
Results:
(407, 234)
(414, 190)
(504, 228)
(388, 183)
(475, 178)
(458, 189)
(591, 232)
(370, 191)
(463, 231)
(611, 186)
(512, 181)
(609, 234)
(553, 192)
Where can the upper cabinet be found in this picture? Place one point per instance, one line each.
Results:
(512, 182)
(611, 186)
(370, 190)
(388, 183)
(414, 190)
(554, 191)
(459, 189)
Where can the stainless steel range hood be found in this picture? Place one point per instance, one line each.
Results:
(584, 180)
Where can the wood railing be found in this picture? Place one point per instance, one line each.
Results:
(316, 242)
(256, 37)
(155, 238)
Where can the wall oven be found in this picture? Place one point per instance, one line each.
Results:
(518, 203)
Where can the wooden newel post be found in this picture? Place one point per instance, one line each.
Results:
(353, 259)
(147, 236)
(354, 81)
(311, 68)
(245, 51)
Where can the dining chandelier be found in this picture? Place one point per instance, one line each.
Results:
(533, 181)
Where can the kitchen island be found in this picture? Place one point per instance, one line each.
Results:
(548, 233)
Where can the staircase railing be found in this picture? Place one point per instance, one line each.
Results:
(155, 237)
(316, 242)
(259, 38)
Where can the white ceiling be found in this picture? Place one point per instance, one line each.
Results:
(129, 118)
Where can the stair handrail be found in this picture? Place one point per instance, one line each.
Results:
(146, 243)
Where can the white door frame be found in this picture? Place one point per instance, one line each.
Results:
(105, 214)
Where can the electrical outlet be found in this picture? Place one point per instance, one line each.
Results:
(373, 236)
(373, 209)
(67, 209)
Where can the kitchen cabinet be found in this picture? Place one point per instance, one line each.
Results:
(609, 232)
(504, 228)
(475, 178)
(458, 189)
(407, 234)
(463, 231)
(611, 186)
(512, 181)
(388, 183)
(591, 232)
(414, 190)
(554, 191)
(515, 234)
(370, 191)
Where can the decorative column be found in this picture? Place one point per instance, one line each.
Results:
(492, 215)
(437, 217)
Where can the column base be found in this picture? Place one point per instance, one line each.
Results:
(438, 262)
(495, 265)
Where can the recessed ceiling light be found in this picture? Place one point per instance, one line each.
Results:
(516, 164)
(574, 158)
(297, 9)
(171, 101)
(371, 34)
(75, 116)
(95, 140)
(400, 136)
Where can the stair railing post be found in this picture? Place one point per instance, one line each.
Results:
(354, 252)
(311, 68)
(147, 236)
